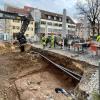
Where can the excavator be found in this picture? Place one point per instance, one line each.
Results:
(25, 20)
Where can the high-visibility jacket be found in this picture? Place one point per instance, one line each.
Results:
(98, 38)
(52, 41)
(43, 40)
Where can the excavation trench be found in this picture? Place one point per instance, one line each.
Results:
(77, 66)
(28, 76)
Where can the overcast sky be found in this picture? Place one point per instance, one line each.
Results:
(49, 5)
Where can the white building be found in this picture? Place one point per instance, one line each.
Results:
(49, 23)
(52, 23)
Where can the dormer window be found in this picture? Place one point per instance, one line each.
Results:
(59, 19)
(55, 18)
(49, 17)
(67, 20)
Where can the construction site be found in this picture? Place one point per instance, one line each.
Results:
(47, 56)
(30, 76)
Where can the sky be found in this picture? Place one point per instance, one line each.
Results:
(49, 5)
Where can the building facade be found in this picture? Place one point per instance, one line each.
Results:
(52, 23)
(79, 29)
(13, 26)
(3, 34)
(49, 23)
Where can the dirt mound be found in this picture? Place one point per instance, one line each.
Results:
(5, 47)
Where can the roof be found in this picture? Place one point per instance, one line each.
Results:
(44, 14)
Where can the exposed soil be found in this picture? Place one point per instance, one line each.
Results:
(25, 76)
(70, 63)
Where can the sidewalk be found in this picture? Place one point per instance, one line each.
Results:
(94, 60)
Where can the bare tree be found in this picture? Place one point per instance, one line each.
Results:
(90, 9)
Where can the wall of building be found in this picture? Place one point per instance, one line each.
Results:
(13, 27)
(49, 26)
(2, 27)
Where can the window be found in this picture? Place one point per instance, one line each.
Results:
(71, 32)
(70, 26)
(50, 23)
(17, 27)
(50, 29)
(42, 30)
(13, 27)
(55, 18)
(60, 25)
(56, 24)
(55, 30)
(1, 37)
(68, 21)
(43, 22)
(49, 17)
(17, 21)
(59, 19)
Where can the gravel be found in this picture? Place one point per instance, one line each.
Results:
(91, 84)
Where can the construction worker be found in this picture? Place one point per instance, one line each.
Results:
(43, 41)
(52, 40)
(98, 38)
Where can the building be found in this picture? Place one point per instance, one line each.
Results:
(83, 27)
(13, 26)
(49, 23)
(3, 35)
(79, 29)
(2, 26)
(52, 23)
